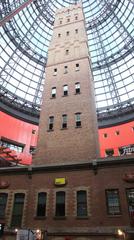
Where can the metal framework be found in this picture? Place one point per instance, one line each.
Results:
(26, 30)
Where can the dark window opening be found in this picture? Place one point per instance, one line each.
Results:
(17, 213)
(41, 204)
(33, 131)
(76, 31)
(3, 203)
(60, 204)
(67, 33)
(105, 135)
(117, 132)
(59, 35)
(81, 203)
(109, 152)
(113, 202)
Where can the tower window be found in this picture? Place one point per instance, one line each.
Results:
(51, 122)
(76, 31)
(64, 121)
(113, 202)
(81, 203)
(60, 204)
(17, 213)
(77, 67)
(68, 20)
(77, 88)
(65, 90)
(65, 69)
(68, 11)
(3, 203)
(55, 71)
(76, 17)
(41, 204)
(60, 21)
(67, 33)
(59, 35)
(78, 119)
(67, 52)
(53, 93)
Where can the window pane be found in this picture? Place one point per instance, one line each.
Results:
(17, 210)
(113, 202)
(81, 203)
(41, 205)
(3, 203)
(65, 87)
(130, 199)
(60, 204)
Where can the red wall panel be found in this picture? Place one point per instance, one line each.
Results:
(21, 132)
(125, 137)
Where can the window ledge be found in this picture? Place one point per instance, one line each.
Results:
(78, 126)
(52, 97)
(64, 128)
(65, 95)
(60, 218)
(77, 93)
(111, 216)
(50, 130)
(82, 217)
(39, 218)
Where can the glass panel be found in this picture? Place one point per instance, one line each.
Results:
(3, 203)
(17, 213)
(113, 202)
(81, 203)
(130, 198)
(60, 204)
(41, 206)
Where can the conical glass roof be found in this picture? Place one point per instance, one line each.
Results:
(24, 43)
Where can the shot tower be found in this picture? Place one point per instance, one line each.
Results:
(68, 124)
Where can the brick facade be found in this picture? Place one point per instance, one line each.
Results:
(79, 177)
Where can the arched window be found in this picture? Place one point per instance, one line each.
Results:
(3, 203)
(81, 203)
(41, 204)
(17, 213)
(60, 204)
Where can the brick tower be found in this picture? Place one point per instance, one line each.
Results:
(68, 123)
